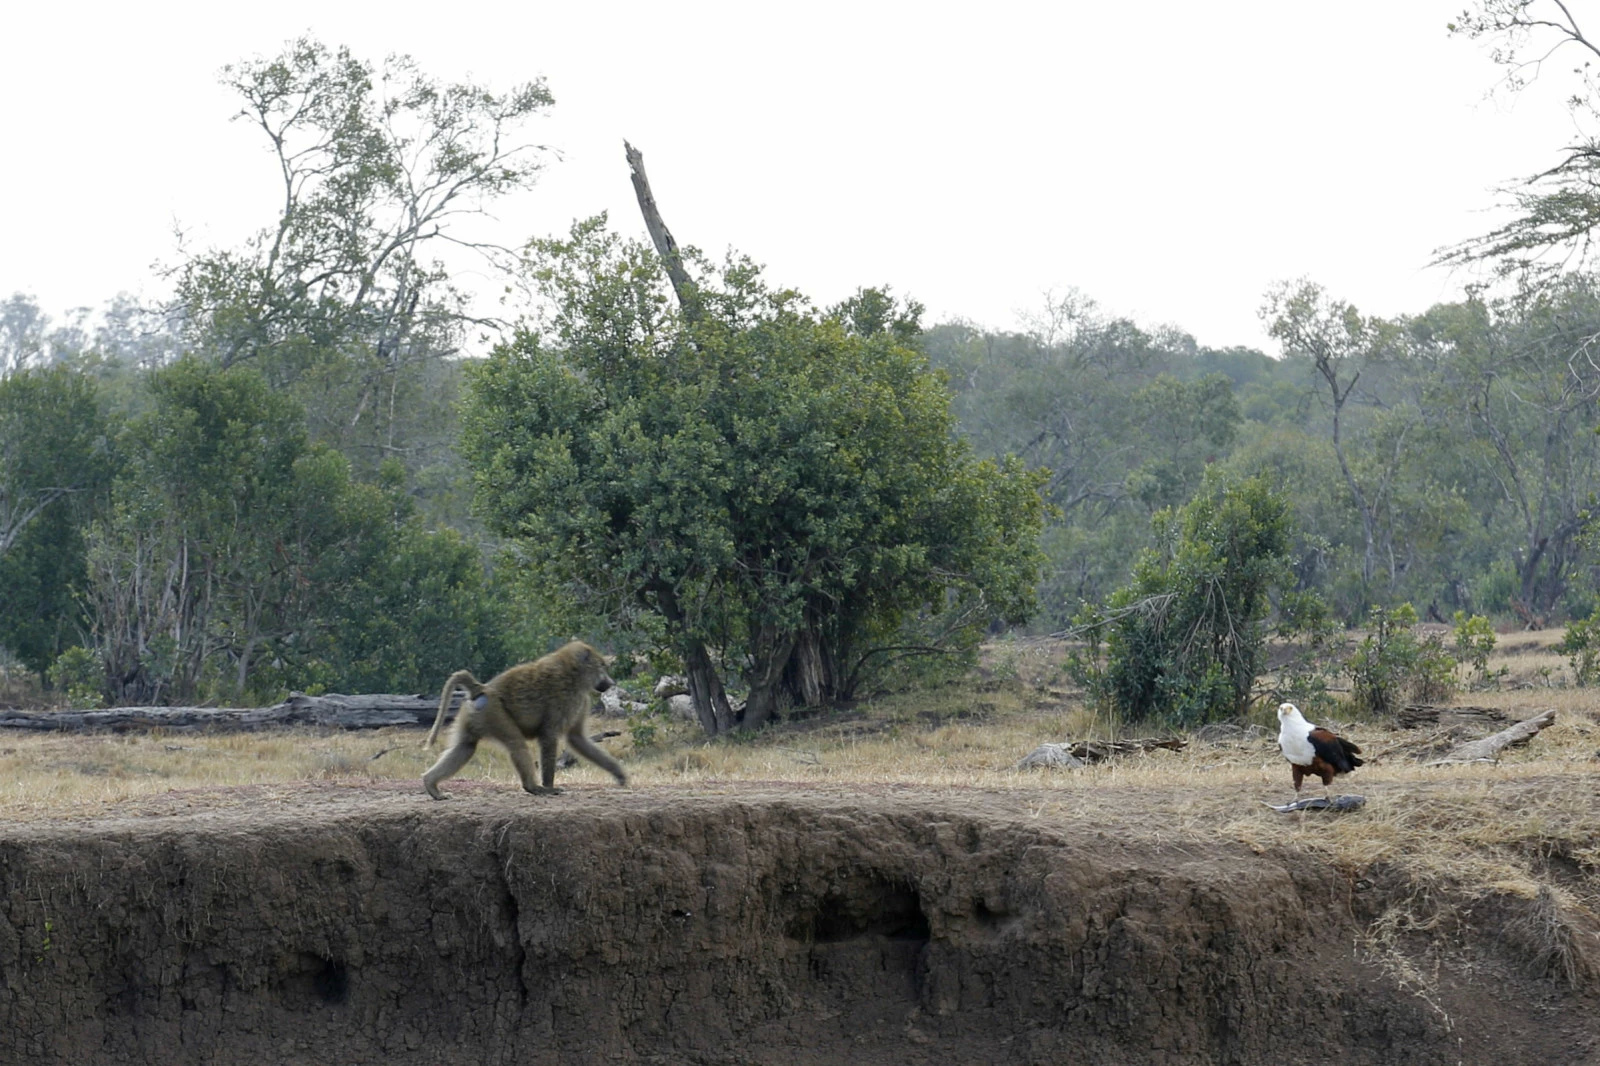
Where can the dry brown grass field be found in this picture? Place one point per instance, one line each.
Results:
(1526, 827)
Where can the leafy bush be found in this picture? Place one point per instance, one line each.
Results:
(1582, 643)
(645, 726)
(783, 488)
(1184, 640)
(1474, 640)
(79, 673)
(1393, 665)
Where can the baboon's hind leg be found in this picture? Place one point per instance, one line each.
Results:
(449, 764)
(596, 754)
(549, 747)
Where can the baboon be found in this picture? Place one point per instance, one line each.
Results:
(547, 698)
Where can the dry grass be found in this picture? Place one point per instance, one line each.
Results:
(1482, 821)
(1522, 835)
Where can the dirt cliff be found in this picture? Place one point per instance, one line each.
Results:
(760, 925)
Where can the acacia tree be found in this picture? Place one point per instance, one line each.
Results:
(342, 297)
(1558, 208)
(1556, 213)
(784, 488)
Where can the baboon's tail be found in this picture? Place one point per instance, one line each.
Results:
(463, 678)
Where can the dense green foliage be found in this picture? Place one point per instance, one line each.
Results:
(1582, 642)
(1124, 421)
(238, 559)
(56, 462)
(1445, 459)
(781, 486)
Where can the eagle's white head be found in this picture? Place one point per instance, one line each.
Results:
(1294, 734)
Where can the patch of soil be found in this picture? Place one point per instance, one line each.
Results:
(759, 923)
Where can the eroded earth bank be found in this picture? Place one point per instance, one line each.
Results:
(367, 925)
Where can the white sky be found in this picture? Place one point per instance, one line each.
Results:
(1169, 159)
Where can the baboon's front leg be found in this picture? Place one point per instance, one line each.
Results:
(449, 764)
(596, 754)
(522, 759)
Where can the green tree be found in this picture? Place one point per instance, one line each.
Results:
(189, 565)
(239, 559)
(784, 488)
(1341, 344)
(402, 606)
(1186, 425)
(1184, 640)
(1523, 456)
(1124, 420)
(26, 336)
(42, 579)
(54, 446)
(56, 464)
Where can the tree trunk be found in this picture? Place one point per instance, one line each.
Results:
(661, 237)
(766, 682)
(705, 686)
(807, 675)
(710, 699)
(711, 704)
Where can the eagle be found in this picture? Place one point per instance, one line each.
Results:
(1313, 750)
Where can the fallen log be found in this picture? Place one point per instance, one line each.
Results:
(329, 712)
(566, 760)
(1100, 750)
(1416, 715)
(1488, 748)
(1084, 752)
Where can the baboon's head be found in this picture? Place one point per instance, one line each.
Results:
(592, 665)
